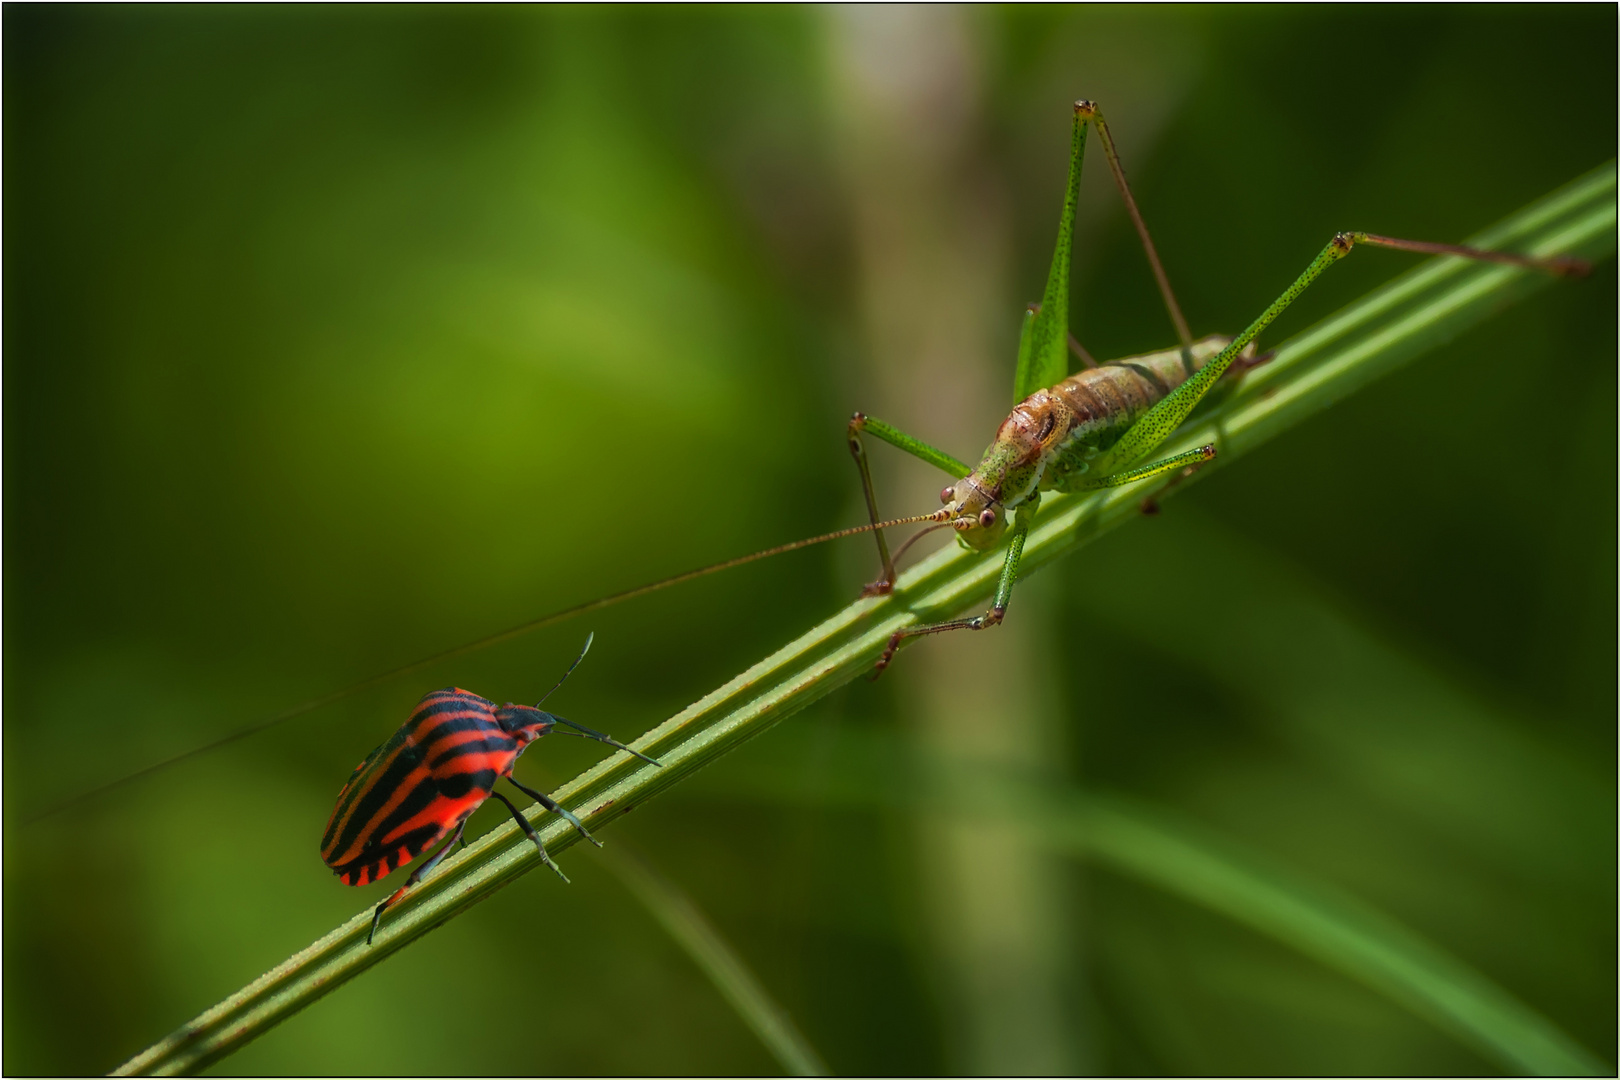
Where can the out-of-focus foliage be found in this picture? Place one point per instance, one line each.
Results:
(335, 337)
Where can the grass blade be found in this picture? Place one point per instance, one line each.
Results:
(1431, 304)
(1316, 919)
(683, 921)
(1325, 924)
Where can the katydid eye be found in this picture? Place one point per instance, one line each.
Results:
(947, 494)
(987, 519)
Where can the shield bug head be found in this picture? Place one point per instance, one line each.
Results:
(524, 722)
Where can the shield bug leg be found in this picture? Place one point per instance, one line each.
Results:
(556, 808)
(528, 830)
(416, 876)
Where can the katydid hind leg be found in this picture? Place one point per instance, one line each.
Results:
(1080, 352)
(1045, 335)
(1159, 422)
(859, 423)
(998, 607)
(1090, 111)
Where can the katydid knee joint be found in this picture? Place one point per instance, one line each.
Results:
(857, 424)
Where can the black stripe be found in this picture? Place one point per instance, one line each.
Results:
(457, 785)
(419, 840)
(360, 768)
(415, 801)
(504, 744)
(367, 807)
(433, 704)
(427, 736)
(343, 817)
(414, 843)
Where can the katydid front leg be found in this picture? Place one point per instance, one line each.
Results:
(998, 607)
(917, 448)
(1189, 460)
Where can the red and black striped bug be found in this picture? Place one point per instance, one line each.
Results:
(429, 778)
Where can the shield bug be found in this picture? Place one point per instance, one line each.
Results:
(426, 781)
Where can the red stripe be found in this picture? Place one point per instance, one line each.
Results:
(415, 777)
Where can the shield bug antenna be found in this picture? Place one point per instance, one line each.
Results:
(584, 732)
(590, 637)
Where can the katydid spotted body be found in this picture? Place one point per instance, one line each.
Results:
(1099, 427)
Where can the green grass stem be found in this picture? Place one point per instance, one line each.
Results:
(1431, 304)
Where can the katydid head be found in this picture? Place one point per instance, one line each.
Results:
(974, 510)
(1010, 471)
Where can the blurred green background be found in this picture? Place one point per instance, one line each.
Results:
(338, 336)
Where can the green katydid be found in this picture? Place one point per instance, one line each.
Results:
(1099, 427)
(1093, 430)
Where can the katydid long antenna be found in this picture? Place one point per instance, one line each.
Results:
(311, 705)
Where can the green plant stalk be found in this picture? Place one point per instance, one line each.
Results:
(1420, 309)
(682, 920)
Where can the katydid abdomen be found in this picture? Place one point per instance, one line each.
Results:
(1050, 437)
(1096, 406)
